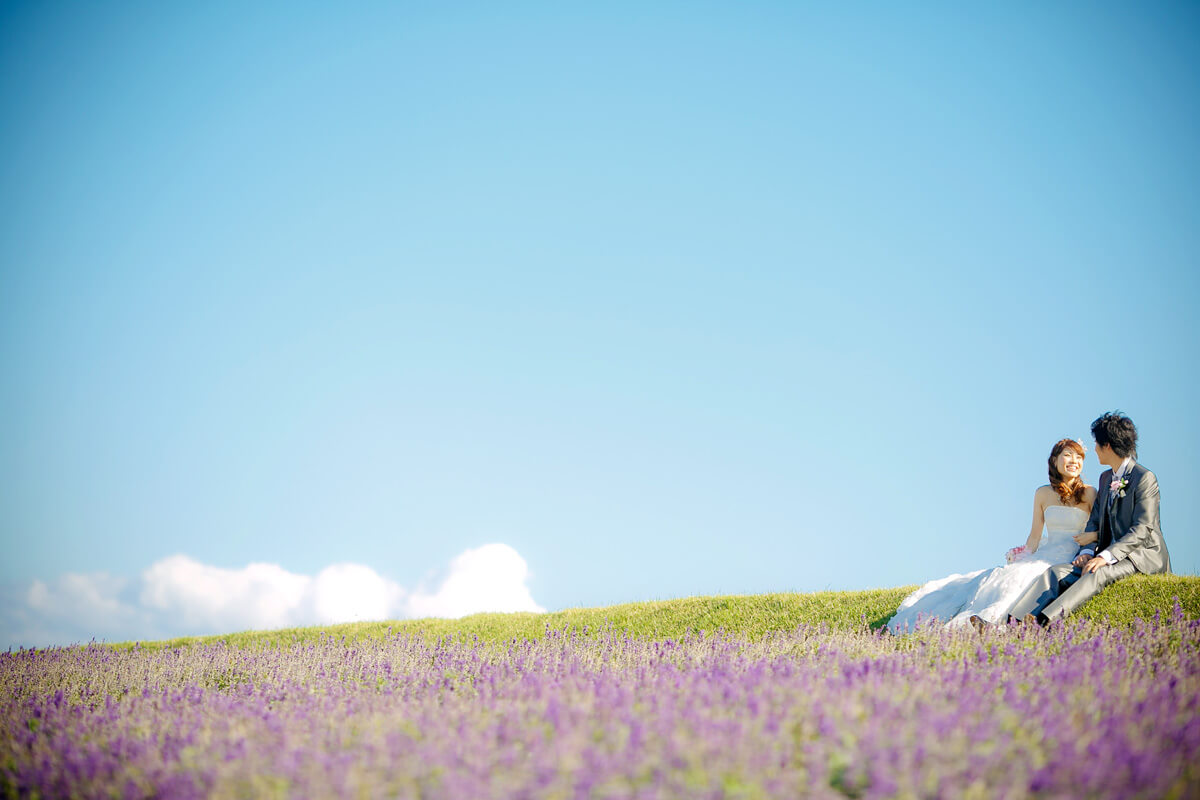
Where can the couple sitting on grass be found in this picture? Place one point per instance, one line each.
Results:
(1092, 538)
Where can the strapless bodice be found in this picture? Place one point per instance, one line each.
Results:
(1063, 523)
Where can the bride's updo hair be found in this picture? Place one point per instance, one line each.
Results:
(1071, 490)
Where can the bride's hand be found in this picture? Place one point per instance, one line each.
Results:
(1087, 537)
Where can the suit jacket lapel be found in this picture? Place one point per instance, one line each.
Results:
(1106, 518)
(1118, 500)
(1109, 520)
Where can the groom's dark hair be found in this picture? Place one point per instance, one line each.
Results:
(1118, 432)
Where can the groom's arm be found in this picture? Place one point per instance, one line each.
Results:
(1145, 519)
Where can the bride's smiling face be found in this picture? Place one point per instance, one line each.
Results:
(1069, 463)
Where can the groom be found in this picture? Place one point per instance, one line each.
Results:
(1123, 527)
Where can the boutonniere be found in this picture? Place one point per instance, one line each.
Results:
(1117, 486)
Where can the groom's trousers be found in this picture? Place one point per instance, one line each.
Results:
(1063, 588)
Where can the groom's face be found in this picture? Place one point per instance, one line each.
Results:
(1104, 454)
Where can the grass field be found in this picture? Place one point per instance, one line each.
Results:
(754, 697)
(1141, 596)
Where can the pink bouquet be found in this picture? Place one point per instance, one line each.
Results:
(1018, 553)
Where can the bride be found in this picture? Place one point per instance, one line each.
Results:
(1062, 507)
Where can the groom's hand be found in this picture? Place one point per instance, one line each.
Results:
(1093, 565)
(1081, 559)
(1087, 537)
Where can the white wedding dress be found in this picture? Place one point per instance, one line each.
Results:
(990, 593)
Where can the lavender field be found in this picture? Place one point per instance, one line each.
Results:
(1080, 710)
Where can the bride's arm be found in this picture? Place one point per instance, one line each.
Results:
(1039, 521)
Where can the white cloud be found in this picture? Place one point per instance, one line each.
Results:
(179, 596)
(352, 592)
(488, 578)
(203, 596)
(71, 608)
(94, 595)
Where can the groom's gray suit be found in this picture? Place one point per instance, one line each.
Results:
(1127, 527)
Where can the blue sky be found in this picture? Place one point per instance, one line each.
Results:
(666, 300)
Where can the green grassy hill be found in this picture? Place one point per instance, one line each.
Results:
(753, 615)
